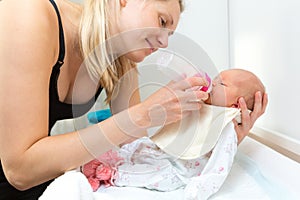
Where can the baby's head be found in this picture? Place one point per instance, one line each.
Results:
(232, 84)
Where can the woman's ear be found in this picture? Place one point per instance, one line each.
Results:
(123, 3)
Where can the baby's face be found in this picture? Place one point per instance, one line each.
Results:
(225, 89)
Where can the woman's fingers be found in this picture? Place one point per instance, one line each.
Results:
(257, 110)
(265, 102)
(176, 100)
(189, 83)
(242, 129)
(194, 96)
(249, 118)
(245, 112)
(192, 106)
(191, 100)
(260, 106)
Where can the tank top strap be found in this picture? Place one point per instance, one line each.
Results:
(61, 55)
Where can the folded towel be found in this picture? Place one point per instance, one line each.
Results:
(72, 185)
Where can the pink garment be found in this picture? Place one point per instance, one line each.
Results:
(102, 171)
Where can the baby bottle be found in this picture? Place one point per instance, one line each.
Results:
(164, 65)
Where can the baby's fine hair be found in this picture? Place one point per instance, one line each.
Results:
(252, 85)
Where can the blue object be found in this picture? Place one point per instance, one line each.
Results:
(98, 116)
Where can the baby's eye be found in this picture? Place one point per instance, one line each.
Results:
(163, 22)
(222, 84)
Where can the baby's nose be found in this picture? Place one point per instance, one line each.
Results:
(214, 83)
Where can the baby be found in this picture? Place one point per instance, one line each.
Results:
(143, 163)
(196, 134)
(232, 84)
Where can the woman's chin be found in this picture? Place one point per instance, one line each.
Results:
(138, 56)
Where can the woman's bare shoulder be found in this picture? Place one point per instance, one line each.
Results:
(30, 24)
(21, 8)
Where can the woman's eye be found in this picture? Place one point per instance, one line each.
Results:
(163, 22)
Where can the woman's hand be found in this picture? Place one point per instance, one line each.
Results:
(169, 104)
(249, 118)
(175, 101)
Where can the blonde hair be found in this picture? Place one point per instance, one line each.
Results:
(94, 31)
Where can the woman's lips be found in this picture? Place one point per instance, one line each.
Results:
(151, 46)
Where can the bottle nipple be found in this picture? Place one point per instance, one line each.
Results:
(207, 88)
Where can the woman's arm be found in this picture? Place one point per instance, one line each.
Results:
(29, 49)
(127, 93)
(249, 118)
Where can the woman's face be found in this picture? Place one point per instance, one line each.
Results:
(145, 25)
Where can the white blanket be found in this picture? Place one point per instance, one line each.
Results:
(147, 166)
(240, 184)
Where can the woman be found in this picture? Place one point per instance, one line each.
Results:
(43, 45)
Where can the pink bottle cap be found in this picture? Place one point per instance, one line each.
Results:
(205, 88)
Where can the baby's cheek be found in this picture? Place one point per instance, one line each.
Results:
(220, 97)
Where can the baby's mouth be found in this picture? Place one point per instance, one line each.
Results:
(208, 100)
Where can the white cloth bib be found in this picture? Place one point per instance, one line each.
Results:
(197, 134)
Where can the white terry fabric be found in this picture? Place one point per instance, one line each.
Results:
(71, 185)
(197, 134)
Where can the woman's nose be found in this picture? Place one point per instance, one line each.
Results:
(163, 39)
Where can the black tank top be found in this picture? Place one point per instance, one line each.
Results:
(57, 110)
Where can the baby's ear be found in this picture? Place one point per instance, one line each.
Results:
(123, 3)
(235, 105)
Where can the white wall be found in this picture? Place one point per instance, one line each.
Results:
(206, 23)
(203, 23)
(265, 38)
